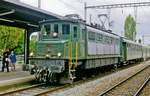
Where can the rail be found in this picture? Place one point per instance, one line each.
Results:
(70, 58)
(142, 87)
(76, 64)
(21, 89)
(123, 81)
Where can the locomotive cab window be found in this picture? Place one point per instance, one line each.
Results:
(47, 28)
(56, 28)
(65, 29)
(75, 31)
(83, 34)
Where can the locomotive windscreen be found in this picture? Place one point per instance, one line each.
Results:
(55, 30)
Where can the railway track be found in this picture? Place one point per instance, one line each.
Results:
(131, 86)
(23, 91)
(36, 90)
(43, 93)
(142, 87)
(74, 84)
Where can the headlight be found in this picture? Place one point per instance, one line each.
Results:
(59, 54)
(54, 34)
(31, 54)
(47, 55)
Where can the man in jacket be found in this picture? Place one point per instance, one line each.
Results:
(5, 60)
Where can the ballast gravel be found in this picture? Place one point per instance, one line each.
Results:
(94, 88)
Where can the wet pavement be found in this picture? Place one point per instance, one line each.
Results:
(13, 74)
(14, 77)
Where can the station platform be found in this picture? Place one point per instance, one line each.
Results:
(14, 77)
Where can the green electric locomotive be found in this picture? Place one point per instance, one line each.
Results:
(58, 50)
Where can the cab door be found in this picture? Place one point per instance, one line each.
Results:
(75, 34)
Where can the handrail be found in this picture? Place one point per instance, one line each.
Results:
(76, 64)
(70, 57)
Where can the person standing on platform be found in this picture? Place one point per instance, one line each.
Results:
(12, 60)
(5, 60)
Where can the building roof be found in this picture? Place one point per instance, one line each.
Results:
(18, 14)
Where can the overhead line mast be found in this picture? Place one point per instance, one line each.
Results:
(39, 3)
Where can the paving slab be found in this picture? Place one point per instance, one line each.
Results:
(14, 77)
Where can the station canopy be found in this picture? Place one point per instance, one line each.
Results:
(18, 14)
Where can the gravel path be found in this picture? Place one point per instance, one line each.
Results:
(94, 88)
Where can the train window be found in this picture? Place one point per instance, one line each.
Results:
(116, 41)
(47, 28)
(75, 31)
(65, 29)
(56, 28)
(106, 39)
(91, 36)
(99, 37)
(111, 40)
(83, 34)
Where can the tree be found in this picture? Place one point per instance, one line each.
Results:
(20, 48)
(130, 28)
(32, 46)
(140, 41)
(34, 38)
(32, 42)
(9, 37)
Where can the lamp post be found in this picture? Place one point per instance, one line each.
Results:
(39, 3)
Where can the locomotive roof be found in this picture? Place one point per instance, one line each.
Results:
(80, 21)
(63, 19)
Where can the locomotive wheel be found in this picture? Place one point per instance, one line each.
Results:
(41, 76)
(37, 76)
(52, 77)
(44, 75)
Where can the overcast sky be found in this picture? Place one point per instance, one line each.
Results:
(118, 15)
